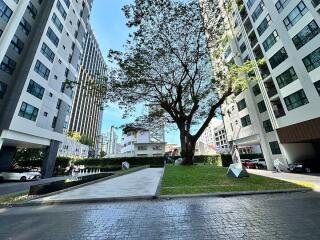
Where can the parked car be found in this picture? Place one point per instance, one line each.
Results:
(307, 166)
(20, 175)
(248, 163)
(260, 163)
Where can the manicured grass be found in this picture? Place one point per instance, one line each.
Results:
(208, 179)
(13, 198)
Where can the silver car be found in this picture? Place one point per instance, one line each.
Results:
(20, 175)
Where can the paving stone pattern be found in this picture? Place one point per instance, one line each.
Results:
(278, 216)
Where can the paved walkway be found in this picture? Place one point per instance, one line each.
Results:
(310, 180)
(143, 183)
(16, 187)
(265, 217)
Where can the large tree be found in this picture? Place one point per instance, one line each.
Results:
(167, 63)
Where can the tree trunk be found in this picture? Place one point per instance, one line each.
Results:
(187, 148)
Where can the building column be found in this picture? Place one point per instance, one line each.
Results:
(6, 156)
(50, 159)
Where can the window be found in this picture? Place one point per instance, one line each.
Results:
(142, 148)
(54, 122)
(242, 105)
(61, 10)
(257, 12)
(3, 89)
(286, 77)
(270, 40)
(28, 111)
(42, 70)
(278, 58)
(243, 47)
(57, 22)
(47, 52)
(262, 107)
(245, 121)
(267, 126)
(312, 61)
(275, 148)
(295, 15)
(306, 34)
(32, 10)
(5, 11)
(250, 3)
(53, 37)
(67, 2)
(281, 4)
(256, 90)
(59, 104)
(35, 89)
(17, 44)
(317, 86)
(8, 65)
(296, 100)
(264, 25)
(25, 26)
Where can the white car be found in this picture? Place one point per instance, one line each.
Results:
(20, 175)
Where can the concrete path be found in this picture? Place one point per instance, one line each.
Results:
(311, 180)
(16, 187)
(141, 184)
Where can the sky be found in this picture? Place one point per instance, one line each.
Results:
(109, 25)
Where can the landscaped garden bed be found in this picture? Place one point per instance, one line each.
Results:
(209, 179)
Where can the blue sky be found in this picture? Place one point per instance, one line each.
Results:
(109, 25)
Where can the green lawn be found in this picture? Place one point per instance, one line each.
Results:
(208, 179)
(13, 198)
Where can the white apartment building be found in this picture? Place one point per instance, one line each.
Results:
(137, 142)
(73, 149)
(281, 110)
(41, 45)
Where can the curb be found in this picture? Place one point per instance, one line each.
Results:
(232, 194)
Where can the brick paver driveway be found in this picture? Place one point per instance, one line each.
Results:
(278, 216)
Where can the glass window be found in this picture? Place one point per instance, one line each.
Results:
(256, 90)
(267, 126)
(262, 107)
(57, 22)
(257, 12)
(278, 58)
(53, 37)
(28, 111)
(5, 11)
(317, 85)
(306, 34)
(3, 89)
(264, 25)
(242, 105)
(47, 52)
(312, 61)
(67, 2)
(243, 47)
(8, 65)
(32, 10)
(61, 10)
(35, 89)
(250, 3)
(296, 100)
(270, 40)
(42, 70)
(281, 4)
(295, 15)
(286, 77)
(16, 44)
(245, 121)
(275, 148)
(25, 26)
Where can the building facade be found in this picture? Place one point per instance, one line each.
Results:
(281, 108)
(40, 47)
(87, 110)
(73, 149)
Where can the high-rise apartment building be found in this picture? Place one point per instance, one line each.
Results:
(281, 110)
(41, 45)
(86, 115)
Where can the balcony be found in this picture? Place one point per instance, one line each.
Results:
(264, 71)
(248, 26)
(253, 39)
(271, 89)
